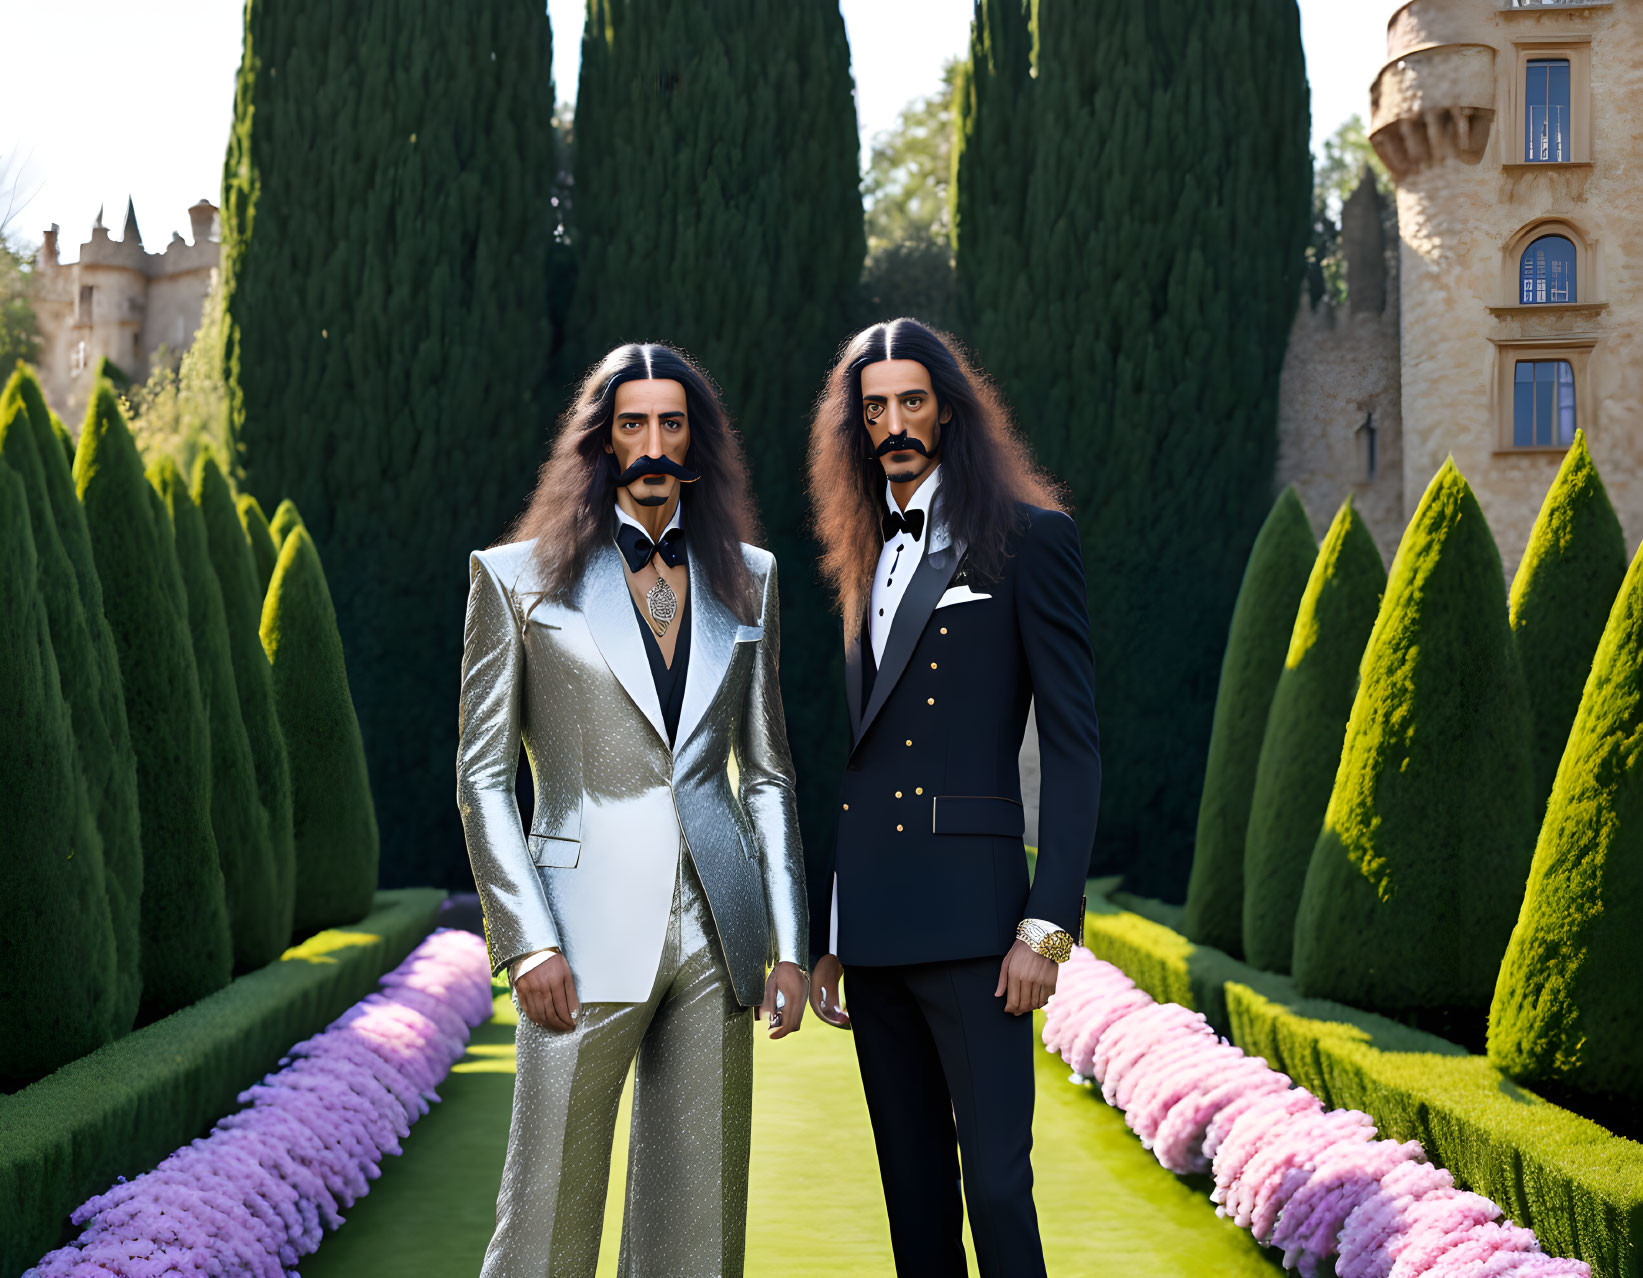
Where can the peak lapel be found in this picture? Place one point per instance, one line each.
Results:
(608, 608)
(929, 580)
(712, 637)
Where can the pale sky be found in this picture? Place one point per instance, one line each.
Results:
(118, 99)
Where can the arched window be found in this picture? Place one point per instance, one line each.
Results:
(1547, 271)
(1543, 403)
(1546, 99)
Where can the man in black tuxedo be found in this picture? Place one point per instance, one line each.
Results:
(961, 583)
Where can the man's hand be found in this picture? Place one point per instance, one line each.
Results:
(1028, 978)
(824, 991)
(547, 994)
(789, 979)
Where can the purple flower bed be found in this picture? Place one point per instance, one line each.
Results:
(1311, 1181)
(257, 1192)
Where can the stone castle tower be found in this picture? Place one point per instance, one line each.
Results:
(1514, 132)
(118, 301)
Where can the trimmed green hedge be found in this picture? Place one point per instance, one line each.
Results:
(119, 1110)
(1578, 1186)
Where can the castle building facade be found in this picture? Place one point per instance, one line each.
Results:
(120, 302)
(1514, 132)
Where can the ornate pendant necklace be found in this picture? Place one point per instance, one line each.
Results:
(661, 603)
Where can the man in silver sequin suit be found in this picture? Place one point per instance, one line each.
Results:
(638, 913)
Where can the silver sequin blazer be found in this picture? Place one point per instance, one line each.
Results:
(595, 873)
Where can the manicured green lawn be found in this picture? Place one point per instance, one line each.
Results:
(1105, 1206)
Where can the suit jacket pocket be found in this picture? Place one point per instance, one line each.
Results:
(977, 814)
(549, 850)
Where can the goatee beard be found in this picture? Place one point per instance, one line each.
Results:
(650, 501)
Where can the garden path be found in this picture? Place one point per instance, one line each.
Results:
(815, 1211)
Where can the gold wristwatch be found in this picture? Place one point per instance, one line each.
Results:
(1042, 939)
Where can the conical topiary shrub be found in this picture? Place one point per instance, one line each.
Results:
(1304, 731)
(88, 667)
(186, 949)
(1568, 1006)
(253, 678)
(286, 517)
(261, 541)
(1262, 619)
(237, 816)
(63, 438)
(1418, 872)
(334, 825)
(57, 945)
(1561, 598)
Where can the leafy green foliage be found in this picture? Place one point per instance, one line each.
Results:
(1418, 872)
(19, 329)
(286, 517)
(717, 208)
(1568, 1007)
(57, 947)
(388, 286)
(182, 410)
(1305, 727)
(1336, 174)
(259, 537)
(1262, 622)
(908, 173)
(1561, 599)
(186, 948)
(333, 823)
(237, 817)
(1130, 226)
(242, 597)
(88, 667)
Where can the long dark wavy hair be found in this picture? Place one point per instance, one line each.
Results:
(573, 507)
(985, 468)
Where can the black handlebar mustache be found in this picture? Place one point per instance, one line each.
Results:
(656, 466)
(901, 444)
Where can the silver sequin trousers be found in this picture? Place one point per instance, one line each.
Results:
(685, 1214)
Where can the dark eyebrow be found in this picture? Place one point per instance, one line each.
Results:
(643, 417)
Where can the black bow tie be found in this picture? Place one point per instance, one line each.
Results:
(912, 522)
(637, 548)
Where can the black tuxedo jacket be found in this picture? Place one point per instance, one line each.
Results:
(929, 852)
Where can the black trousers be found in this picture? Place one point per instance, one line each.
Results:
(941, 1058)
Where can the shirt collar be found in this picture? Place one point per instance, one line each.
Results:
(922, 496)
(622, 516)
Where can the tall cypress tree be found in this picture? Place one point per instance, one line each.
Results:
(242, 597)
(186, 949)
(1418, 872)
(1301, 748)
(238, 819)
(258, 537)
(1561, 597)
(387, 235)
(57, 947)
(333, 825)
(994, 144)
(1568, 1007)
(1262, 622)
(717, 208)
(286, 517)
(89, 666)
(1139, 332)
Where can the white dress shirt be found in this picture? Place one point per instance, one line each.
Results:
(900, 557)
(525, 962)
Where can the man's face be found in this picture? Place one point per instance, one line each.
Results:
(650, 422)
(898, 402)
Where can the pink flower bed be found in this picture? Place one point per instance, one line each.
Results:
(1313, 1182)
(256, 1193)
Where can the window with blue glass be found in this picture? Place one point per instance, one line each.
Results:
(1547, 271)
(1546, 124)
(1543, 403)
